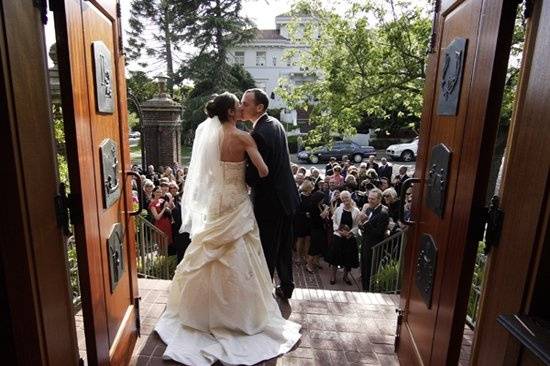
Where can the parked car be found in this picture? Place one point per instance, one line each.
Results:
(354, 151)
(405, 152)
(134, 135)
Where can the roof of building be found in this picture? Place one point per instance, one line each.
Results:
(269, 34)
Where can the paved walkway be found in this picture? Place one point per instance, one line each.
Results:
(338, 327)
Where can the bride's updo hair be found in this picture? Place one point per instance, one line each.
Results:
(220, 105)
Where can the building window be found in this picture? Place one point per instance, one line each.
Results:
(239, 58)
(274, 61)
(260, 58)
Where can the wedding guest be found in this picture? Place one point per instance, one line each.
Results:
(302, 225)
(160, 208)
(344, 250)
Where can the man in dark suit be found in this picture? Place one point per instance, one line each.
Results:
(275, 197)
(385, 169)
(400, 178)
(374, 226)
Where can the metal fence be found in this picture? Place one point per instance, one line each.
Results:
(386, 264)
(475, 290)
(152, 251)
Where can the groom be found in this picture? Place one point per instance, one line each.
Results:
(275, 197)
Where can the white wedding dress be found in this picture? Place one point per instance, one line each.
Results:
(220, 305)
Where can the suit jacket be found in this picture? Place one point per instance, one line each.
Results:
(385, 171)
(277, 191)
(374, 229)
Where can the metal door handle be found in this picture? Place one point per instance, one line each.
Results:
(140, 194)
(404, 187)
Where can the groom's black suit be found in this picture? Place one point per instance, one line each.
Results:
(275, 199)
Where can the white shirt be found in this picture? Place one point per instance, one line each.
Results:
(256, 121)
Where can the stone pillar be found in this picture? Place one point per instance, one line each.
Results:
(161, 128)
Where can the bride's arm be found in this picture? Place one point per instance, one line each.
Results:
(252, 150)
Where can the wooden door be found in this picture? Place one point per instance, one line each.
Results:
(468, 63)
(94, 106)
(518, 268)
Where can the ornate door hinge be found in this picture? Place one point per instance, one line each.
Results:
(138, 316)
(400, 316)
(67, 209)
(488, 224)
(43, 7)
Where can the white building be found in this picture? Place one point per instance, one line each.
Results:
(264, 58)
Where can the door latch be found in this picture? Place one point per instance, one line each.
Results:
(489, 224)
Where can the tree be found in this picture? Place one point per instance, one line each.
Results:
(213, 27)
(369, 66)
(141, 87)
(156, 31)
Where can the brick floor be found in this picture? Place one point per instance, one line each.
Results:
(338, 327)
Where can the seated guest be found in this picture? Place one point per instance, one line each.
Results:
(344, 251)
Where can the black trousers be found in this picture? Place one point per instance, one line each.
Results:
(366, 258)
(276, 234)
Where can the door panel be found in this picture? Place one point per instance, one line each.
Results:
(94, 104)
(431, 331)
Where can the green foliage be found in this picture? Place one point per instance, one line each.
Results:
(370, 65)
(385, 280)
(158, 266)
(59, 136)
(213, 27)
(141, 87)
(156, 31)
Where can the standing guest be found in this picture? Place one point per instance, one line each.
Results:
(147, 195)
(391, 201)
(164, 186)
(294, 168)
(337, 176)
(180, 178)
(302, 170)
(371, 164)
(344, 251)
(384, 183)
(299, 179)
(385, 169)
(315, 177)
(350, 183)
(152, 175)
(330, 165)
(169, 173)
(160, 208)
(302, 225)
(180, 241)
(173, 189)
(400, 178)
(374, 223)
(362, 173)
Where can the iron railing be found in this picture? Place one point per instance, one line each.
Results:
(152, 251)
(475, 290)
(386, 264)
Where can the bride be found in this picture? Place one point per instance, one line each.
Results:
(220, 305)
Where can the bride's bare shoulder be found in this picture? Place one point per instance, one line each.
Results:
(245, 138)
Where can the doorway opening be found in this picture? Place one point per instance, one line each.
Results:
(494, 185)
(63, 182)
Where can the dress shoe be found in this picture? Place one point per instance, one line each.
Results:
(281, 293)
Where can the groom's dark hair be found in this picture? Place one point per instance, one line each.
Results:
(260, 97)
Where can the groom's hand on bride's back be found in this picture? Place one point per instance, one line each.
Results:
(252, 176)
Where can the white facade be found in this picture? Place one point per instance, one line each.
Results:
(264, 58)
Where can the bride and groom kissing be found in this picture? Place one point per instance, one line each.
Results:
(220, 305)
